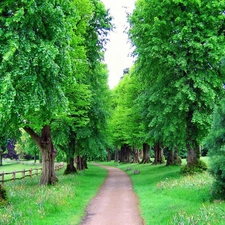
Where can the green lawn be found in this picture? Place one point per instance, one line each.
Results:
(62, 204)
(10, 166)
(167, 197)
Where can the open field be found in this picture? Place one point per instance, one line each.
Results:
(167, 197)
(63, 203)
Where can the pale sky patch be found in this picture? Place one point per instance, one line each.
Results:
(118, 49)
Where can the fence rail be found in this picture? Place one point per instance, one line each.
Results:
(25, 173)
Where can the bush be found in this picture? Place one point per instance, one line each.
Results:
(215, 143)
(3, 196)
(196, 168)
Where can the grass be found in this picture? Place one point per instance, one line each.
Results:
(9, 166)
(167, 197)
(63, 203)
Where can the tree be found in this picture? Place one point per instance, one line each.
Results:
(26, 148)
(91, 139)
(216, 145)
(38, 45)
(179, 48)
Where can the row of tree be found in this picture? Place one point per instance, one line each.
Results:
(53, 82)
(168, 97)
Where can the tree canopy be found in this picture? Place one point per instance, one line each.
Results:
(180, 46)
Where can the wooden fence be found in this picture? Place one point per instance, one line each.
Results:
(25, 173)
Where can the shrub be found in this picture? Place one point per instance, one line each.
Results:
(215, 143)
(196, 168)
(3, 196)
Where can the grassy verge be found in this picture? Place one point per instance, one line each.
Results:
(167, 197)
(63, 203)
(14, 166)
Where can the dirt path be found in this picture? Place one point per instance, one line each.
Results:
(115, 203)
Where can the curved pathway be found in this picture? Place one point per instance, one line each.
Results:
(115, 203)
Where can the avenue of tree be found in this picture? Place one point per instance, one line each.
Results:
(53, 83)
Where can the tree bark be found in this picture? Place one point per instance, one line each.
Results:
(70, 168)
(116, 155)
(84, 162)
(48, 152)
(159, 158)
(136, 156)
(173, 158)
(193, 149)
(125, 154)
(81, 163)
(0, 159)
(146, 152)
(109, 155)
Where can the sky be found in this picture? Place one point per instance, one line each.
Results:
(118, 49)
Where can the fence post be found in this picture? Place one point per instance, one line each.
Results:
(23, 173)
(30, 171)
(36, 171)
(2, 177)
(14, 175)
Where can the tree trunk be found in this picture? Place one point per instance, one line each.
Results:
(122, 154)
(146, 152)
(70, 168)
(109, 155)
(193, 156)
(159, 158)
(84, 162)
(128, 158)
(136, 156)
(193, 149)
(173, 158)
(48, 153)
(116, 154)
(0, 159)
(35, 158)
(81, 163)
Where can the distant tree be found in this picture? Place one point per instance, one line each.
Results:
(11, 153)
(26, 148)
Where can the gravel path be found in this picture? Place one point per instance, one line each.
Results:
(115, 203)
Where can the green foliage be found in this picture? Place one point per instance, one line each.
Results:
(126, 120)
(34, 40)
(25, 145)
(215, 142)
(180, 48)
(196, 168)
